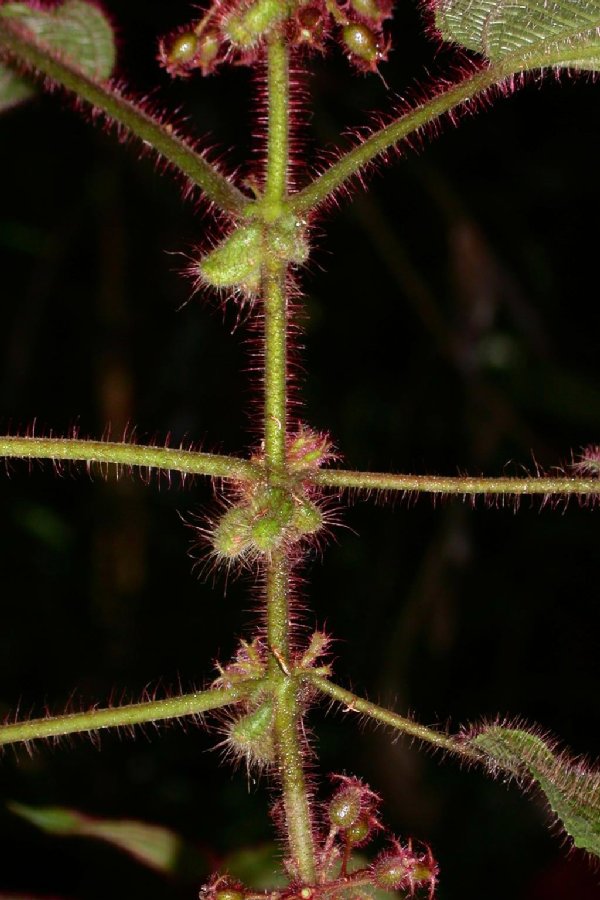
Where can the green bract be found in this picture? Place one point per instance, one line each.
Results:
(236, 261)
(247, 27)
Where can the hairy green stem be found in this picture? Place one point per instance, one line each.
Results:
(122, 716)
(278, 626)
(288, 713)
(274, 278)
(278, 88)
(463, 485)
(287, 720)
(291, 771)
(353, 703)
(187, 462)
(22, 47)
(275, 305)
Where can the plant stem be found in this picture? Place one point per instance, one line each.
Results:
(278, 88)
(277, 588)
(122, 716)
(274, 279)
(293, 782)
(353, 703)
(288, 713)
(353, 161)
(187, 462)
(23, 47)
(275, 336)
(464, 485)
(287, 721)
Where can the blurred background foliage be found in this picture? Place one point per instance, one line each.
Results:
(450, 323)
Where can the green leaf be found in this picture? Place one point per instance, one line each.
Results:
(152, 845)
(571, 788)
(78, 30)
(257, 867)
(536, 33)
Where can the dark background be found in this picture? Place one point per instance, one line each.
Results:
(451, 324)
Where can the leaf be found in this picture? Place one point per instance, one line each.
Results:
(152, 845)
(537, 33)
(257, 867)
(572, 788)
(78, 30)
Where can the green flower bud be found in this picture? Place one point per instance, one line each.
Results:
(231, 537)
(252, 735)
(267, 534)
(236, 262)
(307, 518)
(246, 28)
(288, 238)
(369, 9)
(209, 44)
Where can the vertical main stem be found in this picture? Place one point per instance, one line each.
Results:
(278, 88)
(274, 294)
(275, 337)
(286, 723)
(288, 713)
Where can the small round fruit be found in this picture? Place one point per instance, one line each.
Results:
(360, 41)
(359, 831)
(183, 49)
(345, 808)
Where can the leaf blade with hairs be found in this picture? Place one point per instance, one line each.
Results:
(571, 788)
(77, 29)
(535, 33)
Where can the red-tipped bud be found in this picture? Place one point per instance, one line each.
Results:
(308, 450)
(403, 869)
(352, 810)
(209, 45)
(309, 26)
(187, 50)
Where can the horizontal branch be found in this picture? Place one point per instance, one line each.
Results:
(187, 462)
(121, 716)
(461, 485)
(23, 48)
(353, 703)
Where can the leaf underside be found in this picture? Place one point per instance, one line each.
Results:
(538, 33)
(78, 30)
(571, 788)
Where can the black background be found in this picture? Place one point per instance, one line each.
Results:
(450, 324)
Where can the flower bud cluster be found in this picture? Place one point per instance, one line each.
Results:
(237, 31)
(353, 811)
(249, 729)
(237, 262)
(265, 517)
(353, 818)
(351, 815)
